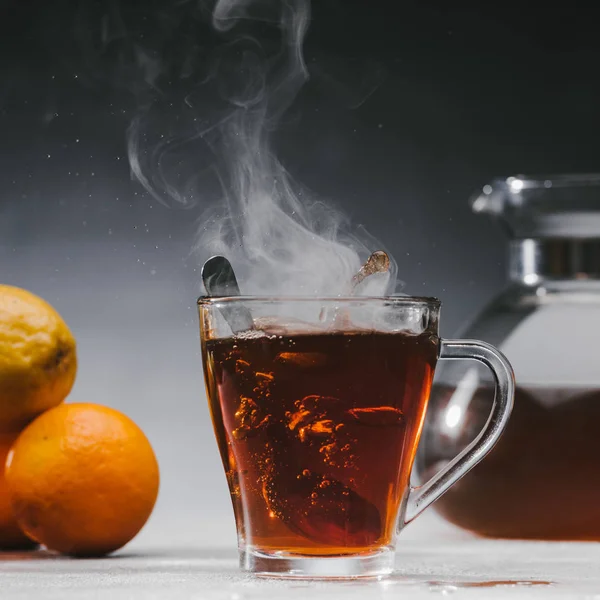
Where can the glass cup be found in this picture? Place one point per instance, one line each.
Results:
(318, 406)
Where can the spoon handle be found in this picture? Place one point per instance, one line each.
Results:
(219, 280)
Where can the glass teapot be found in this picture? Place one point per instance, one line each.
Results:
(542, 480)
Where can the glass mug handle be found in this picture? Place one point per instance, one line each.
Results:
(422, 496)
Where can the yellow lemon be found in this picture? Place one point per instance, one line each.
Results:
(38, 359)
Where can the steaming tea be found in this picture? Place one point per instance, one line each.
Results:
(318, 433)
(516, 492)
(318, 423)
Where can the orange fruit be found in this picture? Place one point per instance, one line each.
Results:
(82, 479)
(11, 536)
(38, 360)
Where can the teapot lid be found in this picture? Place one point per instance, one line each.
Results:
(544, 206)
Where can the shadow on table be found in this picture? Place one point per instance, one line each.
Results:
(182, 553)
(21, 555)
(170, 553)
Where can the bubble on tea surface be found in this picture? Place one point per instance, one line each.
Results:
(250, 334)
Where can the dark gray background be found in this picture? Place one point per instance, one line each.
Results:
(410, 107)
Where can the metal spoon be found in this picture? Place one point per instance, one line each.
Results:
(219, 280)
(378, 262)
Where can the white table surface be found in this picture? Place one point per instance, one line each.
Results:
(188, 549)
(433, 560)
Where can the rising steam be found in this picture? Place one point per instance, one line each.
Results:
(280, 240)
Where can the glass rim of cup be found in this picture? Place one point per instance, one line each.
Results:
(430, 301)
